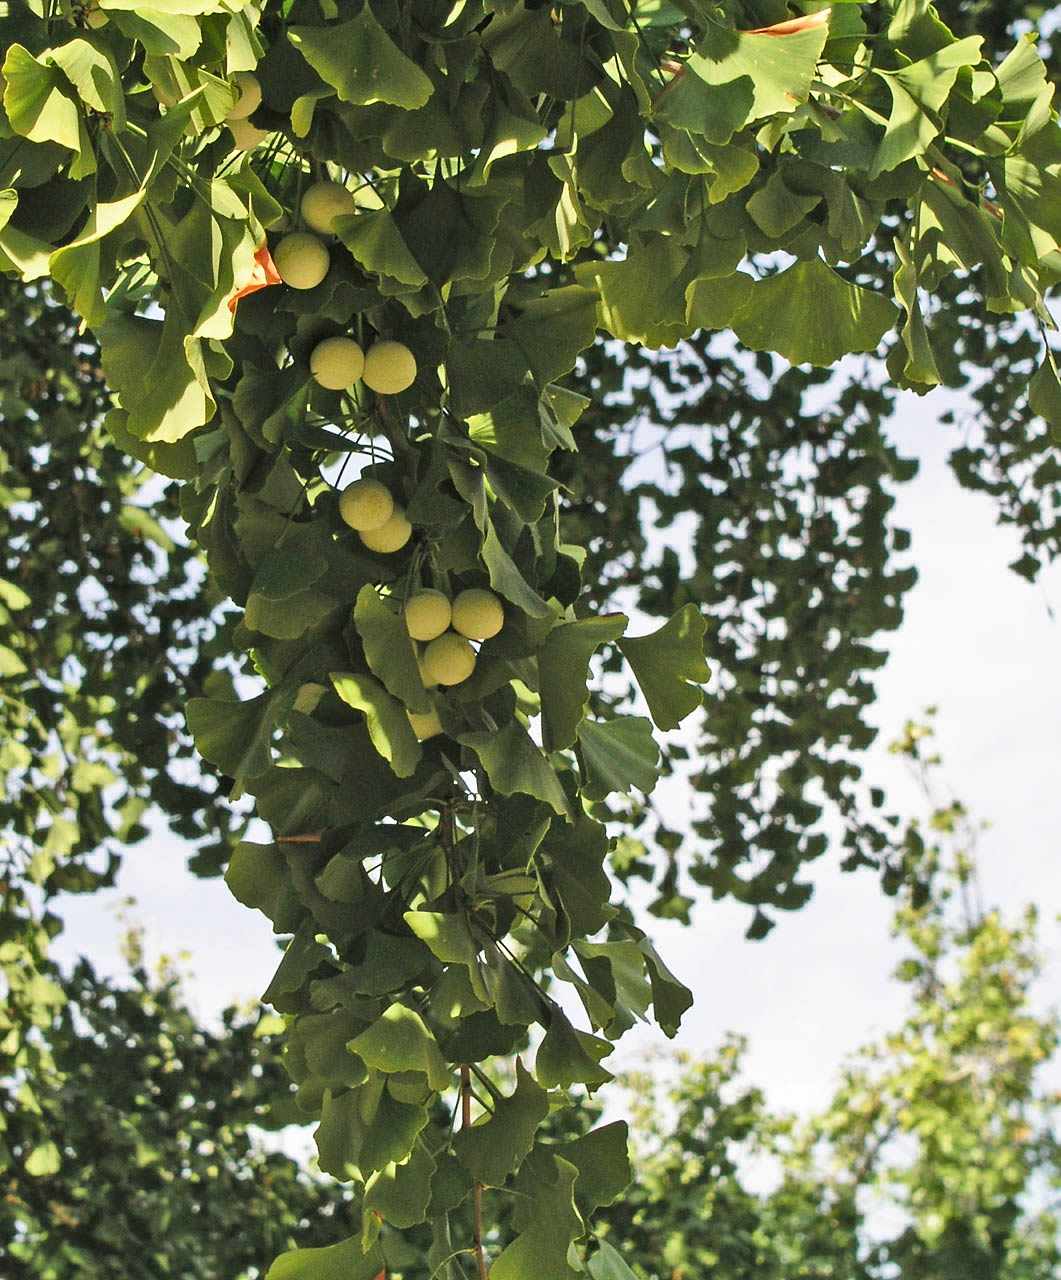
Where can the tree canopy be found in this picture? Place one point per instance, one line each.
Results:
(527, 201)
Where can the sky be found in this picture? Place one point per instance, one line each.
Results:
(977, 642)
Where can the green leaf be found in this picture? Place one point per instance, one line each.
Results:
(810, 315)
(494, 1147)
(94, 75)
(158, 373)
(321, 1039)
(161, 34)
(670, 996)
(776, 208)
(365, 1129)
(290, 618)
(547, 1207)
(258, 877)
(607, 1264)
(567, 1056)
(919, 91)
(1044, 393)
(362, 63)
(514, 763)
(234, 736)
(692, 288)
(552, 330)
(377, 244)
(401, 1193)
(670, 667)
(450, 939)
(43, 1161)
(563, 670)
(617, 755)
(176, 460)
(399, 1041)
(602, 1159)
(386, 718)
(37, 104)
(344, 1261)
(506, 579)
(27, 255)
(389, 650)
(577, 853)
(920, 365)
(735, 77)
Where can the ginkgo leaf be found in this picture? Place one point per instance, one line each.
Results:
(811, 315)
(362, 63)
(670, 667)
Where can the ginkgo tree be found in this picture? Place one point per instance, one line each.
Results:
(524, 180)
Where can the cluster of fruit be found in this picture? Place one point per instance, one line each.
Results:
(446, 628)
(443, 629)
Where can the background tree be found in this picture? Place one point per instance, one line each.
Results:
(945, 1124)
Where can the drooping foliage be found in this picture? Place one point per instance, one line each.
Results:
(937, 1152)
(518, 180)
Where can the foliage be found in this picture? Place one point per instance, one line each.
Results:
(943, 1124)
(525, 179)
(106, 624)
(157, 1172)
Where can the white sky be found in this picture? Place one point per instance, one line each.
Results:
(977, 641)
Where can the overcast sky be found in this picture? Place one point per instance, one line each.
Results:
(977, 641)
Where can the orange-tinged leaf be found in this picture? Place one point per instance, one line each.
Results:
(263, 275)
(791, 25)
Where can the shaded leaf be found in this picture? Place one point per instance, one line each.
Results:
(362, 63)
(810, 315)
(617, 755)
(388, 724)
(563, 667)
(670, 667)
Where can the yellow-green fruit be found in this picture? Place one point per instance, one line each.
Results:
(336, 363)
(322, 203)
(302, 260)
(426, 614)
(95, 18)
(391, 536)
(428, 679)
(246, 136)
(250, 96)
(425, 726)
(390, 367)
(449, 659)
(366, 504)
(478, 614)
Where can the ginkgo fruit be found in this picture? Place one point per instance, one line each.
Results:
(478, 614)
(391, 536)
(250, 96)
(337, 363)
(390, 367)
(427, 614)
(95, 17)
(246, 135)
(322, 203)
(365, 505)
(449, 659)
(426, 677)
(302, 260)
(425, 725)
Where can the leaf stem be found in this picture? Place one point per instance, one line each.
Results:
(477, 1192)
